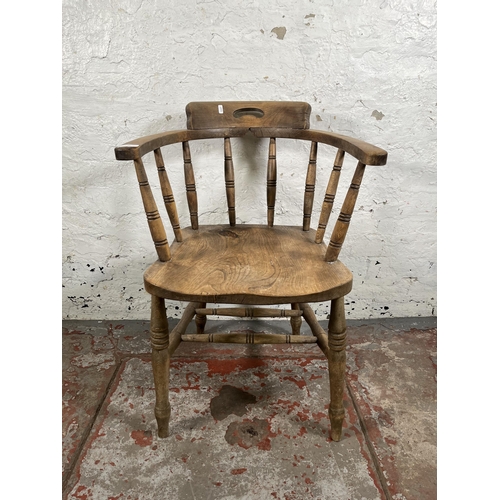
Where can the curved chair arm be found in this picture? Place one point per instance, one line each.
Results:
(137, 148)
(362, 151)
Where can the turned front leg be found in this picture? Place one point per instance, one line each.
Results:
(336, 366)
(161, 363)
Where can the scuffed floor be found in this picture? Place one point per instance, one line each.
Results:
(249, 422)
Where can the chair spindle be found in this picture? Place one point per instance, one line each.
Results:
(192, 198)
(310, 185)
(229, 177)
(344, 218)
(168, 195)
(154, 220)
(331, 191)
(271, 181)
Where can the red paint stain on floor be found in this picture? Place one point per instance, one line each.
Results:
(298, 382)
(289, 404)
(383, 417)
(303, 415)
(234, 472)
(265, 444)
(142, 438)
(305, 362)
(72, 332)
(318, 416)
(192, 379)
(81, 493)
(227, 366)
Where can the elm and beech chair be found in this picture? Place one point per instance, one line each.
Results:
(249, 265)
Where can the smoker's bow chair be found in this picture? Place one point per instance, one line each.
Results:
(241, 264)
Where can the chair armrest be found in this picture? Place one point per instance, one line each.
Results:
(362, 151)
(137, 148)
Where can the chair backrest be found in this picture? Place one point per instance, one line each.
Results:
(237, 114)
(271, 119)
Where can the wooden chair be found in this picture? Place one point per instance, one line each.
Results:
(250, 265)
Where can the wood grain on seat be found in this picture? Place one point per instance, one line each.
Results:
(248, 264)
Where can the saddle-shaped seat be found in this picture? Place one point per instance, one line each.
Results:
(246, 264)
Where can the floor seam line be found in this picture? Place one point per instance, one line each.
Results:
(369, 444)
(88, 431)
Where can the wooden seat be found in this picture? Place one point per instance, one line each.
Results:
(249, 265)
(245, 264)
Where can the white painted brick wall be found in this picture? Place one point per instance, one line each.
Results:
(367, 68)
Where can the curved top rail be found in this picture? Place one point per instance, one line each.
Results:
(362, 151)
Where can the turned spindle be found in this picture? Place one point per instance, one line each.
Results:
(192, 198)
(344, 218)
(271, 182)
(168, 195)
(229, 178)
(310, 185)
(155, 223)
(331, 191)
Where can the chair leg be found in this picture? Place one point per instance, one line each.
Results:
(161, 363)
(295, 321)
(337, 366)
(201, 320)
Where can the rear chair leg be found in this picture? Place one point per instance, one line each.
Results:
(295, 321)
(161, 363)
(201, 320)
(336, 366)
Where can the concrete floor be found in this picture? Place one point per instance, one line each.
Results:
(249, 422)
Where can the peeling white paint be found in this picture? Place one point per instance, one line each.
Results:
(102, 361)
(129, 69)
